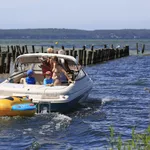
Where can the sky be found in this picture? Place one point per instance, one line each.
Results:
(75, 14)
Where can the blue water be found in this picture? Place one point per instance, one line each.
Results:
(77, 43)
(117, 99)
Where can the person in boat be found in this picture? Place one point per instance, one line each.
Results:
(57, 70)
(64, 64)
(50, 50)
(30, 79)
(48, 79)
(62, 52)
(46, 65)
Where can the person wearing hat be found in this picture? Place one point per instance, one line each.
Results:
(48, 79)
(30, 79)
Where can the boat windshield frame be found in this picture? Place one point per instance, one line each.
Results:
(21, 66)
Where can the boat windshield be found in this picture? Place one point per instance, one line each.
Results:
(36, 66)
(74, 70)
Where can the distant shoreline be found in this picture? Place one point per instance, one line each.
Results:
(54, 33)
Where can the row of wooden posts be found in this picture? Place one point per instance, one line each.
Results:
(85, 56)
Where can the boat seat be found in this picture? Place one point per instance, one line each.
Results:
(38, 77)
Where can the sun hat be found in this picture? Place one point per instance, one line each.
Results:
(29, 72)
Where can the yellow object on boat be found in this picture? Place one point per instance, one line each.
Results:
(17, 106)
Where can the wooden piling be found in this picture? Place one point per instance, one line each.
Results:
(0, 51)
(3, 64)
(143, 48)
(84, 55)
(23, 50)
(105, 46)
(18, 49)
(8, 61)
(33, 49)
(13, 52)
(42, 49)
(92, 47)
(8, 48)
(62, 47)
(26, 49)
(137, 48)
(80, 56)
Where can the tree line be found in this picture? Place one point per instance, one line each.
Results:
(54, 33)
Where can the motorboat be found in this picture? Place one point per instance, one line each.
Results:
(62, 98)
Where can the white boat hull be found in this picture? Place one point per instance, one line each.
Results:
(59, 98)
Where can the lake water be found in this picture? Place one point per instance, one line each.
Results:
(117, 99)
(77, 43)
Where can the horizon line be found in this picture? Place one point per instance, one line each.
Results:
(70, 29)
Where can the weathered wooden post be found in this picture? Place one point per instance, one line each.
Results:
(62, 47)
(117, 53)
(71, 52)
(75, 54)
(137, 48)
(23, 50)
(126, 50)
(26, 49)
(143, 48)
(121, 52)
(18, 49)
(13, 48)
(73, 48)
(8, 60)
(92, 57)
(92, 47)
(33, 49)
(92, 54)
(8, 48)
(52, 46)
(17, 53)
(98, 55)
(109, 54)
(67, 52)
(114, 54)
(89, 57)
(0, 51)
(104, 54)
(3, 62)
(84, 55)
(80, 57)
(42, 49)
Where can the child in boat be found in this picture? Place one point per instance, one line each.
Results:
(30, 79)
(48, 79)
